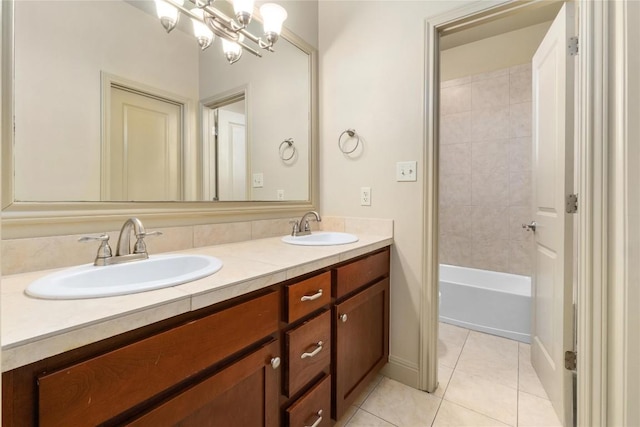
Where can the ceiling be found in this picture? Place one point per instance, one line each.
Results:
(536, 14)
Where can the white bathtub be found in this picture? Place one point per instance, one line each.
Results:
(486, 301)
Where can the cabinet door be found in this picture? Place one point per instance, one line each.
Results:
(245, 393)
(361, 342)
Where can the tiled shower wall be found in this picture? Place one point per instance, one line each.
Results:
(485, 171)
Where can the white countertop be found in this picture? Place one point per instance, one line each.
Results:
(34, 329)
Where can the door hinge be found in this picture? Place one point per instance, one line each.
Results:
(572, 203)
(570, 360)
(573, 46)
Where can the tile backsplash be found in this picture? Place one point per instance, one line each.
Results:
(485, 171)
(42, 253)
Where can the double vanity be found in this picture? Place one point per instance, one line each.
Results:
(281, 335)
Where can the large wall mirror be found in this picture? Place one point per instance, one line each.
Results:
(114, 116)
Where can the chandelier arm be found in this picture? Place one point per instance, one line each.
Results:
(265, 45)
(249, 49)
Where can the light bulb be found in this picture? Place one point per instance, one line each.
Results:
(203, 34)
(273, 16)
(243, 10)
(232, 50)
(168, 13)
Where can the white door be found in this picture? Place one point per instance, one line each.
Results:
(552, 327)
(232, 156)
(144, 146)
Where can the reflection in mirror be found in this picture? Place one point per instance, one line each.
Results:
(224, 149)
(143, 136)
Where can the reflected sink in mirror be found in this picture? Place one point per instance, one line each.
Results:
(89, 281)
(321, 238)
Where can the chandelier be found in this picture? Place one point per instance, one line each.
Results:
(209, 22)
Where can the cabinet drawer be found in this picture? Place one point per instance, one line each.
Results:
(307, 296)
(244, 393)
(313, 408)
(97, 389)
(352, 276)
(308, 348)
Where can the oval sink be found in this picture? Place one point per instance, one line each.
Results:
(321, 238)
(89, 281)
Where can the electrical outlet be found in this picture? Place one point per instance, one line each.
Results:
(258, 180)
(407, 171)
(365, 196)
(280, 194)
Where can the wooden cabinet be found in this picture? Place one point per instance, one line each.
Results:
(361, 331)
(214, 361)
(252, 380)
(293, 354)
(96, 390)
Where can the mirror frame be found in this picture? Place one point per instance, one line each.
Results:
(39, 219)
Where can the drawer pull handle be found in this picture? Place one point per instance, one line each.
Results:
(314, 352)
(343, 317)
(318, 421)
(312, 297)
(275, 362)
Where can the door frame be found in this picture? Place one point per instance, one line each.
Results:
(591, 183)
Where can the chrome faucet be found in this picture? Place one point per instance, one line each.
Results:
(123, 250)
(302, 228)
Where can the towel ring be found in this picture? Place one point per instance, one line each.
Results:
(351, 133)
(288, 145)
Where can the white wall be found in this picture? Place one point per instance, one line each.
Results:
(61, 49)
(372, 71)
(278, 85)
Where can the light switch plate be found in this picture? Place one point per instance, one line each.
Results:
(258, 180)
(407, 171)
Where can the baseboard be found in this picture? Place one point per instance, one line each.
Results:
(401, 370)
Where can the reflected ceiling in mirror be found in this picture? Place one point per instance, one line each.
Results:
(111, 109)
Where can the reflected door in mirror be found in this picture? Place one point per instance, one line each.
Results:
(232, 156)
(144, 148)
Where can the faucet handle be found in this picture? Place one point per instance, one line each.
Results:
(104, 251)
(149, 233)
(296, 227)
(141, 247)
(104, 237)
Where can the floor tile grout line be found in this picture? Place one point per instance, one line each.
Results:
(477, 412)
(380, 418)
(438, 409)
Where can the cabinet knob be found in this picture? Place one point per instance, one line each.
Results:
(318, 420)
(275, 362)
(343, 317)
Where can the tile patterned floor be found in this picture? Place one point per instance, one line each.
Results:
(484, 381)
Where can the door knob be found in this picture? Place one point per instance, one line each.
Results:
(343, 317)
(530, 227)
